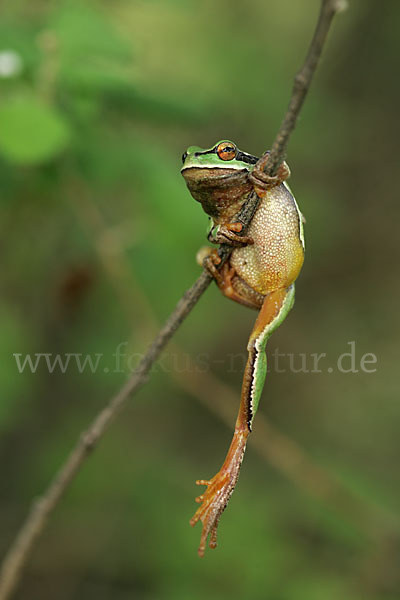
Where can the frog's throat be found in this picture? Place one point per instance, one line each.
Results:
(221, 194)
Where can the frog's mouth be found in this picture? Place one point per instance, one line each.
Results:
(211, 175)
(214, 169)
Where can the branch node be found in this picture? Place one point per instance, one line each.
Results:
(300, 81)
(340, 5)
(88, 441)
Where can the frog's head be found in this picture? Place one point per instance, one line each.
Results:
(217, 177)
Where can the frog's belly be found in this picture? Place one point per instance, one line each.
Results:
(275, 259)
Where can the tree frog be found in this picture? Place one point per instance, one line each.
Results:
(259, 273)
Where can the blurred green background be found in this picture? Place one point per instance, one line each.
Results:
(98, 100)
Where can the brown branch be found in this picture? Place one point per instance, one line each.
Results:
(35, 522)
(302, 82)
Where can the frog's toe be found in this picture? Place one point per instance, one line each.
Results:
(203, 253)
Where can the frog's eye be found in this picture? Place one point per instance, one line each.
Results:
(184, 157)
(226, 151)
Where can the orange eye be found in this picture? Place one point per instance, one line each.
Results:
(226, 151)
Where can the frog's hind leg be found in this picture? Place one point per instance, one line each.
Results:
(235, 288)
(214, 500)
(228, 281)
(273, 312)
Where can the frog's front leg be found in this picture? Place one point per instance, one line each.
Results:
(229, 233)
(261, 180)
(214, 500)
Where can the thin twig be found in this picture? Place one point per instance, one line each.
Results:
(41, 509)
(37, 517)
(302, 83)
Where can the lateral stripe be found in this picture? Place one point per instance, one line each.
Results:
(259, 348)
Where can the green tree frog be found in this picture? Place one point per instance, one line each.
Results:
(259, 273)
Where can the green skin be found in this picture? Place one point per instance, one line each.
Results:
(199, 157)
(259, 273)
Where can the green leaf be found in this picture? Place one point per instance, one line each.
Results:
(31, 132)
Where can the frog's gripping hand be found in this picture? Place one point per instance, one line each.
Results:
(220, 488)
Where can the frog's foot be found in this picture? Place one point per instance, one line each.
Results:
(219, 489)
(230, 234)
(209, 259)
(264, 181)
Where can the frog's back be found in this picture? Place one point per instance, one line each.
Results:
(276, 257)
